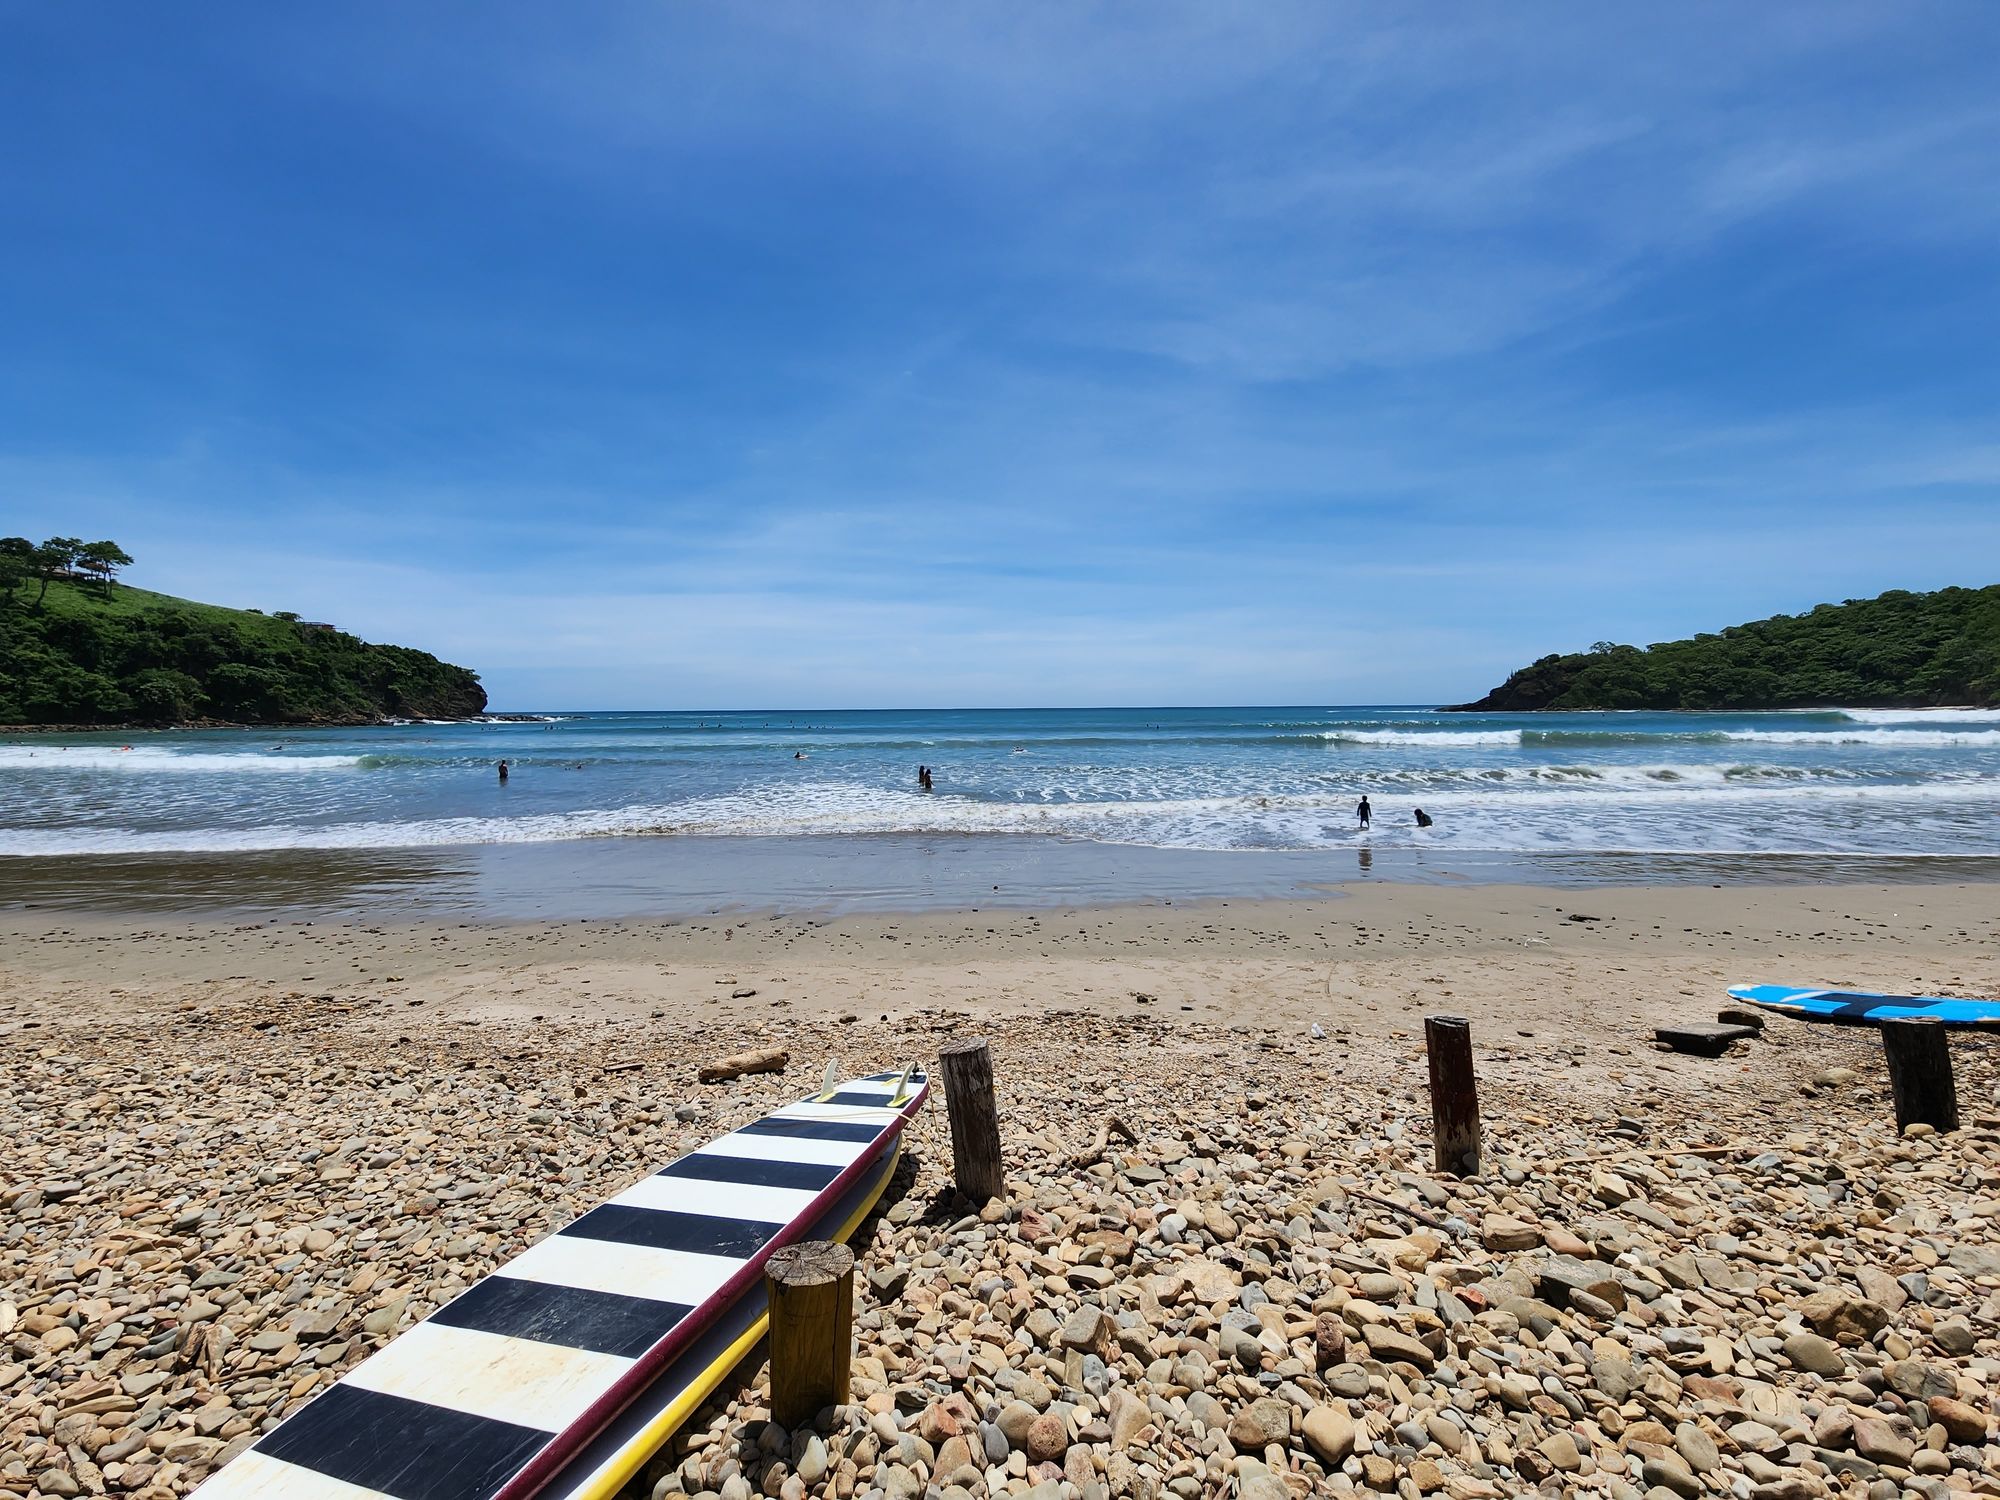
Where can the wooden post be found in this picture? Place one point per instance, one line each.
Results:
(1454, 1094)
(967, 1067)
(811, 1286)
(1920, 1072)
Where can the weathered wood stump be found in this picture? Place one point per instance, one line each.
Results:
(1919, 1054)
(811, 1285)
(967, 1069)
(1454, 1094)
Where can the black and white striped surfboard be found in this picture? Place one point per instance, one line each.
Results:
(500, 1389)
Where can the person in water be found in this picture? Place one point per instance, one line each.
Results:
(503, 773)
(1423, 818)
(924, 777)
(1364, 812)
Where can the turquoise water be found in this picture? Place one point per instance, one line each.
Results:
(1851, 783)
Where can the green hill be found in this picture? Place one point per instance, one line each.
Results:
(1898, 650)
(104, 653)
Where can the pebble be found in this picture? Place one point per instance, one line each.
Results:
(1814, 1355)
(1261, 1423)
(1330, 1433)
(1794, 1310)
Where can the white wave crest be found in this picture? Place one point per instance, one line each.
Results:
(1885, 739)
(1665, 814)
(1923, 715)
(1442, 737)
(150, 760)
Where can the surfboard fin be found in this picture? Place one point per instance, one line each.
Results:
(903, 1085)
(831, 1082)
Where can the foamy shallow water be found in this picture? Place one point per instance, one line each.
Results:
(1857, 784)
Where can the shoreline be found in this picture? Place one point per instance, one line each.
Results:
(684, 876)
(1797, 708)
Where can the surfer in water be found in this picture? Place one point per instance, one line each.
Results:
(1423, 818)
(503, 773)
(1363, 811)
(924, 777)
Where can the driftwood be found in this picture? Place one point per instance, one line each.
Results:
(763, 1060)
(1095, 1150)
(1663, 1153)
(1429, 1221)
(1705, 1039)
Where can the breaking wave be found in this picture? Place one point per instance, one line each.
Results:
(1890, 782)
(1930, 739)
(1667, 811)
(1459, 738)
(1887, 739)
(150, 760)
(1923, 715)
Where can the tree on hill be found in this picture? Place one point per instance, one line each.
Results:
(58, 557)
(53, 558)
(89, 654)
(17, 564)
(102, 560)
(1898, 650)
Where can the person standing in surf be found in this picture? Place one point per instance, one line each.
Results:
(1363, 811)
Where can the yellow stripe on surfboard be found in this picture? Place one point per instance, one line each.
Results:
(649, 1439)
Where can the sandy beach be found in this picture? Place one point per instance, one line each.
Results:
(246, 1153)
(600, 610)
(1596, 966)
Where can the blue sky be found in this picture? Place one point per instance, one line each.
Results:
(651, 354)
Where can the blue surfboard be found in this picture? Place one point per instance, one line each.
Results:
(1863, 1007)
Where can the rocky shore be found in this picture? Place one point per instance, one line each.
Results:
(1224, 1266)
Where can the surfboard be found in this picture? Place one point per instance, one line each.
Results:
(606, 1464)
(637, 1308)
(1863, 1007)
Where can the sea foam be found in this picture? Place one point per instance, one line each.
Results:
(1442, 738)
(1666, 813)
(150, 760)
(1923, 715)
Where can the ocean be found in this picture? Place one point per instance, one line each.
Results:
(1583, 795)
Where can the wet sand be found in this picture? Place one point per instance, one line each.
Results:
(688, 876)
(1371, 957)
